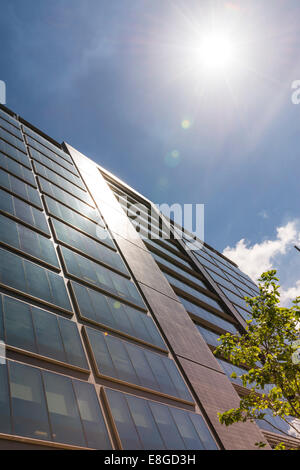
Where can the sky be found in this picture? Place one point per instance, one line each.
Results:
(120, 81)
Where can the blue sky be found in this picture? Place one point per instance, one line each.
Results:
(110, 77)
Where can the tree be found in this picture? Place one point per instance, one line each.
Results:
(267, 351)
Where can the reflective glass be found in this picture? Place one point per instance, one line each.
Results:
(63, 410)
(84, 269)
(130, 363)
(15, 154)
(71, 237)
(66, 198)
(209, 316)
(144, 424)
(39, 157)
(23, 212)
(209, 336)
(11, 139)
(76, 220)
(22, 275)
(10, 119)
(17, 236)
(48, 144)
(63, 183)
(195, 293)
(111, 313)
(17, 187)
(5, 419)
(46, 406)
(11, 128)
(53, 156)
(29, 410)
(91, 416)
(16, 169)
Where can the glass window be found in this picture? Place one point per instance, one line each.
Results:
(210, 336)
(5, 419)
(206, 315)
(130, 363)
(48, 144)
(63, 183)
(66, 198)
(17, 236)
(11, 128)
(63, 410)
(235, 298)
(39, 157)
(91, 416)
(19, 274)
(178, 270)
(92, 273)
(144, 424)
(10, 119)
(71, 237)
(15, 154)
(11, 139)
(23, 190)
(22, 211)
(50, 407)
(53, 156)
(181, 260)
(195, 293)
(16, 169)
(76, 220)
(108, 312)
(29, 410)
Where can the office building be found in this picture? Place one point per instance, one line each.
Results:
(107, 334)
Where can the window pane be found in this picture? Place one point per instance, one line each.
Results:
(167, 427)
(78, 221)
(5, 420)
(66, 198)
(111, 313)
(28, 404)
(16, 169)
(18, 324)
(78, 241)
(55, 167)
(15, 186)
(124, 422)
(91, 416)
(12, 140)
(14, 153)
(63, 410)
(99, 276)
(48, 144)
(187, 430)
(134, 364)
(150, 425)
(58, 159)
(22, 275)
(28, 241)
(72, 343)
(48, 335)
(10, 119)
(145, 424)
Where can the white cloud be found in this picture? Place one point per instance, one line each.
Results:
(269, 254)
(290, 293)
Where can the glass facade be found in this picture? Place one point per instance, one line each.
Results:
(89, 363)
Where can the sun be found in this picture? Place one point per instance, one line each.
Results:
(214, 51)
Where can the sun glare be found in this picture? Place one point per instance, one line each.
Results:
(214, 51)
